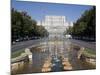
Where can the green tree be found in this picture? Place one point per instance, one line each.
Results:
(85, 25)
(23, 26)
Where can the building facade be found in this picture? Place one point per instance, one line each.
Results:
(56, 25)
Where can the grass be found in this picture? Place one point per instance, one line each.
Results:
(16, 53)
(90, 53)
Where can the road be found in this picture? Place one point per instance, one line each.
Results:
(90, 45)
(25, 44)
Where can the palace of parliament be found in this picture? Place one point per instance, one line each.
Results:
(55, 25)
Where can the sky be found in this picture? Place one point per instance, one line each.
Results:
(38, 10)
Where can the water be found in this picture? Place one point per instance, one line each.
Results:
(54, 50)
(57, 65)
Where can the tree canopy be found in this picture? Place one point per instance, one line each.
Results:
(22, 25)
(85, 25)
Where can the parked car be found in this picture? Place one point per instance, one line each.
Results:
(68, 36)
(13, 43)
(17, 40)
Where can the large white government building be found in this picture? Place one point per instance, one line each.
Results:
(55, 25)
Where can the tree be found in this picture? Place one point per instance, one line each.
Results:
(22, 26)
(85, 25)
